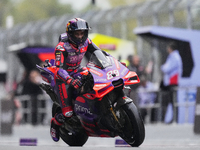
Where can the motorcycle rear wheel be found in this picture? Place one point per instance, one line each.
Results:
(133, 130)
(78, 139)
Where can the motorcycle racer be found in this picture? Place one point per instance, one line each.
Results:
(69, 53)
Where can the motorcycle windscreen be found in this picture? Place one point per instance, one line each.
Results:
(100, 60)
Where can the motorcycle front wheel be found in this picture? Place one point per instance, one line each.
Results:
(133, 131)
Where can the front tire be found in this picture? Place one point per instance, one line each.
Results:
(133, 130)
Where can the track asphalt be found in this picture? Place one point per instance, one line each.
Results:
(158, 136)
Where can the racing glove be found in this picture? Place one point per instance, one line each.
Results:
(76, 83)
(63, 74)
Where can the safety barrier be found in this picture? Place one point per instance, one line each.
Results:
(35, 109)
(6, 116)
(180, 110)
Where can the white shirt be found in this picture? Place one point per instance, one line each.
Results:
(172, 68)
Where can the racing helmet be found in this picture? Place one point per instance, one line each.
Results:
(74, 25)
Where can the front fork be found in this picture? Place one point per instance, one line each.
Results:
(115, 117)
(121, 101)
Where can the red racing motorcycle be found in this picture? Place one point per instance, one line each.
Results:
(102, 107)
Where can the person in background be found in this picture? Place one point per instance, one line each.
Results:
(146, 95)
(139, 69)
(172, 71)
(129, 59)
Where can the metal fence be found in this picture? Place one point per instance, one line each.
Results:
(34, 110)
(179, 109)
(118, 22)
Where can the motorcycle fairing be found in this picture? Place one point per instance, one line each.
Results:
(129, 75)
(104, 76)
(85, 109)
(108, 73)
(48, 74)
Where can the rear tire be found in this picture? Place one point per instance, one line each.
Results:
(134, 131)
(78, 139)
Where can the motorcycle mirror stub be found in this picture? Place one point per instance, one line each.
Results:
(48, 63)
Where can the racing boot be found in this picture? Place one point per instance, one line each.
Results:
(56, 122)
